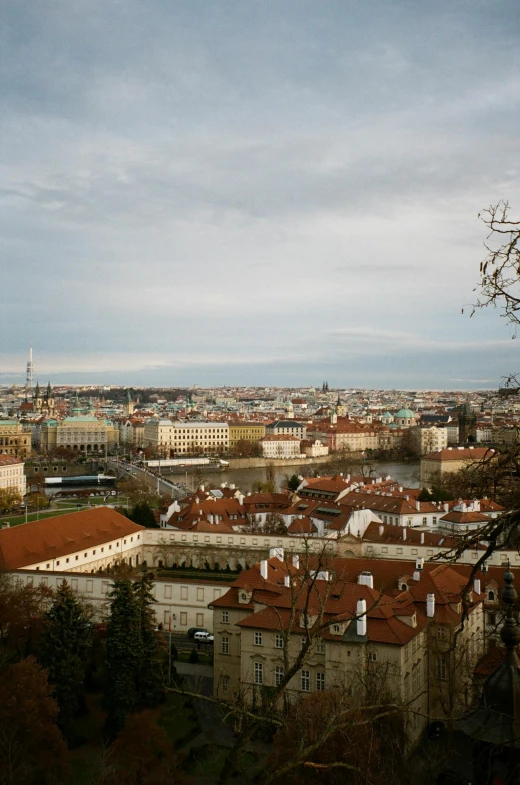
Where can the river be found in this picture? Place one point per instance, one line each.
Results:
(406, 473)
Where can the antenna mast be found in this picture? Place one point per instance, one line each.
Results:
(29, 376)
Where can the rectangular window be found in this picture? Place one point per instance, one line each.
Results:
(200, 620)
(320, 681)
(320, 647)
(257, 638)
(306, 681)
(184, 592)
(224, 645)
(225, 683)
(259, 673)
(278, 640)
(105, 587)
(441, 668)
(184, 619)
(200, 595)
(278, 675)
(167, 592)
(225, 615)
(372, 656)
(90, 586)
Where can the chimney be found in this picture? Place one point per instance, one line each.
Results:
(419, 563)
(201, 488)
(361, 622)
(430, 605)
(296, 561)
(476, 585)
(404, 533)
(422, 538)
(381, 530)
(240, 499)
(232, 486)
(263, 569)
(366, 578)
(400, 489)
(484, 566)
(446, 507)
(287, 581)
(417, 575)
(418, 505)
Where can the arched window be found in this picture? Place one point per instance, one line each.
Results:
(491, 595)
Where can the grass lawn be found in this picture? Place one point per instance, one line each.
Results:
(208, 761)
(14, 520)
(205, 657)
(178, 719)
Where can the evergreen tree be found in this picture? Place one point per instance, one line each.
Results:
(64, 654)
(143, 514)
(124, 656)
(150, 682)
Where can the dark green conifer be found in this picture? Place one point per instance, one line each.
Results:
(124, 656)
(150, 682)
(64, 653)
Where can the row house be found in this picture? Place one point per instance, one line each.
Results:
(361, 629)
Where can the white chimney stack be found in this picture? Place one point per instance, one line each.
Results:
(476, 585)
(419, 563)
(296, 561)
(287, 580)
(422, 538)
(418, 505)
(417, 575)
(263, 569)
(361, 621)
(381, 530)
(404, 533)
(366, 578)
(430, 605)
(240, 499)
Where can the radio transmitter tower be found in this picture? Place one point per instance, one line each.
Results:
(29, 375)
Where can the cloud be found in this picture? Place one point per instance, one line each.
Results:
(240, 185)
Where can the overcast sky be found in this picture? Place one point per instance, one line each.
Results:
(254, 192)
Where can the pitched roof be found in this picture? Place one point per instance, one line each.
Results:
(51, 538)
(9, 460)
(460, 454)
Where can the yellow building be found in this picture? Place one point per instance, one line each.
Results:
(245, 432)
(14, 439)
(81, 433)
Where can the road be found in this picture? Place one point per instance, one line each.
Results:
(183, 643)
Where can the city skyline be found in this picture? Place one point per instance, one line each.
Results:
(269, 194)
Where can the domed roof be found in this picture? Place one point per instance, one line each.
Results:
(405, 414)
(387, 416)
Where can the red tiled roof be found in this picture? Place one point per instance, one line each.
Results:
(51, 538)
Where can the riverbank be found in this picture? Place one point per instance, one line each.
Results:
(263, 463)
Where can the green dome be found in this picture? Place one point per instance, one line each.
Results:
(405, 414)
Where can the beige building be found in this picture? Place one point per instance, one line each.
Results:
(280, 447)
(435, 465)
(381, 630)
(12, 476)
(426, 439)
(15, 439)
(81, 433)
(168, 439)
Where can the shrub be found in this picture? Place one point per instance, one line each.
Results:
(194, 657)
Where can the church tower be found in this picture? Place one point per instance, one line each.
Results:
(129, 407)
(467, 425)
